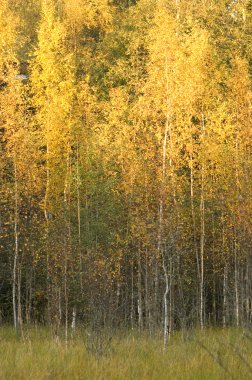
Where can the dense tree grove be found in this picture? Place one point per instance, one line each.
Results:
(125, 139)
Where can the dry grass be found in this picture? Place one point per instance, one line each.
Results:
(212, 354)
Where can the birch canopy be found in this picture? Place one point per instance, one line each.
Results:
(125, 164)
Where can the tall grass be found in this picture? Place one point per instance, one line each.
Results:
(211, 354)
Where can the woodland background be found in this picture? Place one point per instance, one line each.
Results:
(125, 139)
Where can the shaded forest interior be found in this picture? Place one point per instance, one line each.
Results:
(125, 163)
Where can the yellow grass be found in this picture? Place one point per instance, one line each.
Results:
(211, 354)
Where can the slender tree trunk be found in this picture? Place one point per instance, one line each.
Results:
(202, 235)
(47, 216)
(19, 305)
(171, 299)
(225, 277)
(68, 240)
(139, 288)
(147, 304)
(56, 311)
(224, 312)
(194, 225)
(248, 296)
(14, 275)
(166, 314)
(79, 221)
(236, 282)
(156, 290)
(73, 324)
(28, 296)
(202, 255)
(236, 267)
(161, 251)
(118, 293)
(214, 272)
(132, 313)
(66, 301)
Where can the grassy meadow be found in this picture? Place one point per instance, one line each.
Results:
(211, 354)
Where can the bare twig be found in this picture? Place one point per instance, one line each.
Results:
(242, 358)
(216, 358)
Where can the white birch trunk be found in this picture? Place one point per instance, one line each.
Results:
(161, 213)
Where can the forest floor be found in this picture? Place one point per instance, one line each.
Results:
(211, 354)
